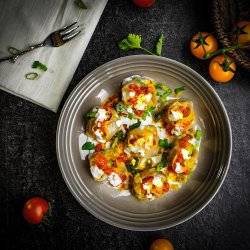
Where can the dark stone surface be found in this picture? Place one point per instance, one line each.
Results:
(28, 158)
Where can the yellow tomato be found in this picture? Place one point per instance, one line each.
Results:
(244, 31)
(199, 49)
(219, 71)
(161, 244)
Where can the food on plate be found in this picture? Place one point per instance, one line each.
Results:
(161, 244)
(35, 209)
(203, 43)
(222, 68)
(144, 140)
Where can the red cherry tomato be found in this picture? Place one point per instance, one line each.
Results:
(161, 244)
(144, 3)
(34, 210)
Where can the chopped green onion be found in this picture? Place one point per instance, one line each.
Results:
(179, 90)
(39, 65)
(91, 114)
(163, 91)
(119, 135)
(132, 165)
(135, 125)
(164, 143)
(88, 146)
(31, 76)
(198, 134)
(81, 4)
(120, 107)
(13, 51)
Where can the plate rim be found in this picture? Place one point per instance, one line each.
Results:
(134, 227)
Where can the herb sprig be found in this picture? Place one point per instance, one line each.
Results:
(134, 41)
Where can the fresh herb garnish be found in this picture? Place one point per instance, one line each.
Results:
(31, 76)
(179, 90)
(39, 65)
(132, 41)
(91, 114)
(159, 45)
(147, 112)
(81, 4)
(120, 135)
(120, 107)
(198, 134)
(157, 116)
(164, 143)
(131, 167)
(137, 79)
(131, 116)
(163, 91)
(88, 146)
(135, 125)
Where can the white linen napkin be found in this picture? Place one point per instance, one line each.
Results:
(27, 22)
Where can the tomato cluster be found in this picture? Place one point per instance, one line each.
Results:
(204, 45)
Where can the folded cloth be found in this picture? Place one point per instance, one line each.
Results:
(27, 22)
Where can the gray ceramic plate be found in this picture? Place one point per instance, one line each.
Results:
(127, 212)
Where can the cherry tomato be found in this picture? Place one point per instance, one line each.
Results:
(202, 43)
(34, 210)
(243, 31)
(144, 3)
(161, 244)
(222, 69)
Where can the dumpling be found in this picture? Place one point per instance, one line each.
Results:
(110, 165)
(149, 184)
(143, 141)
(103, 126)
(183, 156)
(140, 94)
(179, 117)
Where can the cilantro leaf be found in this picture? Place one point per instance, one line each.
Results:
(132, 41)
(159, 45)
(164, 143)
(179, 90)
(91, 114)
(147, 112)
(131, 167)
(135, 125)
(88, 146)
(119, 135)
(39, 65)
(198, 134)
(120, 107)
(163, 91)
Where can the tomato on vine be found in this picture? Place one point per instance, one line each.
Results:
(243, 32)
(203, 43)
(161, 244)
(222, 68)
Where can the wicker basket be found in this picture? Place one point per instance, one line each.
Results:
(225, 15)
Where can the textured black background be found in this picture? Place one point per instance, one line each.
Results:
(28, 158)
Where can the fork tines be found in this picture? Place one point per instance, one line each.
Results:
(69, 32)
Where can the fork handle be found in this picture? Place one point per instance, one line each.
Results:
(14, 57)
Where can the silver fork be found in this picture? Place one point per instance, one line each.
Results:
(55, 39)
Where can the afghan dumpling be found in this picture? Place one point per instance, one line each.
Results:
(144, 141)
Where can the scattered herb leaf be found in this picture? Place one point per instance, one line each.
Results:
(147, 112)
(179, 90)
(39, 65)
(132, 41)
(164, 143)
(137, 79)
(91, 114)
(131, 116)
(31, 76)
(135, 125)
(132, 165)
(81, 4)
(88, 146)
(159, 45)
(119, 135)
(198, 134)
(163, 91)
(120, 107)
